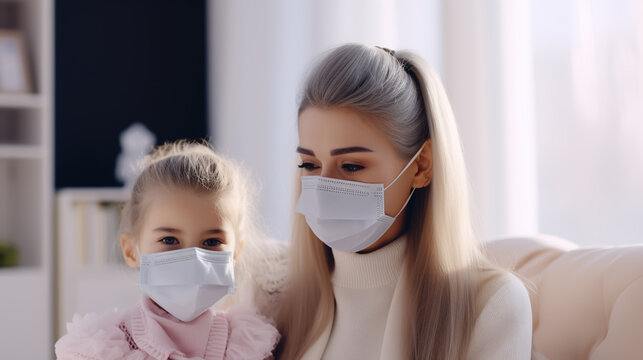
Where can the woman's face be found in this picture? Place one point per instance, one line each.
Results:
(344, 144)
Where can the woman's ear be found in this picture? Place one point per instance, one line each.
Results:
(130, 251)
(424, 162)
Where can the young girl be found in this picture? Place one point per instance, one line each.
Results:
(184, 226)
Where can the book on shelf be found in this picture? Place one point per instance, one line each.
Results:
(97, 233)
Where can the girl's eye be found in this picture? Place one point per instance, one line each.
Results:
(169, 240)
(308, 166)
(352, 167)
(212, 242)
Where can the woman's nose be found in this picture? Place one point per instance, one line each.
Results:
(327, 171)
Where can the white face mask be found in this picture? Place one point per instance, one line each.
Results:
(346, 215)
(187, 282)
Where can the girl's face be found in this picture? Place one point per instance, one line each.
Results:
(176, 219)
(345, 144)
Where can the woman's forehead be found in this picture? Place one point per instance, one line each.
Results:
(329, 129)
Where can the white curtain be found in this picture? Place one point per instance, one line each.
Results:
(488, 76)
(548, 95)
(549, 98)
(589, 106)
(258, 54)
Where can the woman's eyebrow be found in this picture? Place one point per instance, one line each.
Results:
(335, 152)
(348, 150)
(301, 150)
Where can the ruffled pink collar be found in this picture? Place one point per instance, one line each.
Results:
(161, 335)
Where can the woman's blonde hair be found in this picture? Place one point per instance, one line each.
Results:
(406, 99)
(197, 167)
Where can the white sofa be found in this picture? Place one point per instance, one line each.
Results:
(587, 303)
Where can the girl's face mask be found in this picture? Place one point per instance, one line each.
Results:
(187, 282)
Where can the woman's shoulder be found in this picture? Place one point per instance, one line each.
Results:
(503, 327)
(95, 336)
(251, 336)
(502, 296)
(503, 288)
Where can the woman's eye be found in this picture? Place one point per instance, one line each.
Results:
(212, 242)
(352, 167)
(308, 166)
(169, 240)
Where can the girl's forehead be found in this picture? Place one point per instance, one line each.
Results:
(182, 205)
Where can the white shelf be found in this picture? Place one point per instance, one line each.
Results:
(20, 101)
(17, 274)
(93, 194)
(20, 152)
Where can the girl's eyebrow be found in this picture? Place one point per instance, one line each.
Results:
(168, 229)
(177, 231)
(214, 231)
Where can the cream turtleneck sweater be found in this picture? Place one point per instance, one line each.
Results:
(364, 285)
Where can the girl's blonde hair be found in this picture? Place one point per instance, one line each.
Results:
(197, 167)
(406, 99)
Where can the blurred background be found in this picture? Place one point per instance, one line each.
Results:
(548, 96)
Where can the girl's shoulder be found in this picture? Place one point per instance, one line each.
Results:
(96, 336)
(251, 335)
(270, 274)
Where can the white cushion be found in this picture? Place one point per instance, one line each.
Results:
(587, 303)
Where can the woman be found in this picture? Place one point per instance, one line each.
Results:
(384, 262)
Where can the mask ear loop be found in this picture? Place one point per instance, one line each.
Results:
(400, 174)
(406, 203)
(405, 168)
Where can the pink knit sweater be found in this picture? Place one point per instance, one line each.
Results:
(148, 332)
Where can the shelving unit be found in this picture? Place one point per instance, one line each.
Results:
(20, 101)
(92, 276)
(26, 190)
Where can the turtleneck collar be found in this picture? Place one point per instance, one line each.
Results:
(162, 335)
(377, 268)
